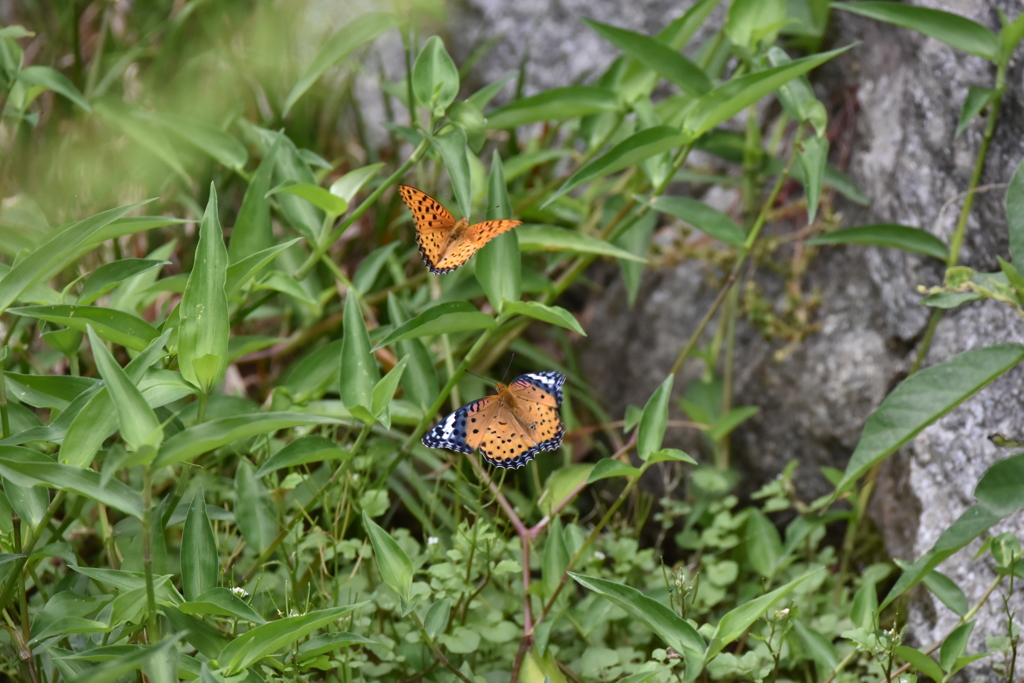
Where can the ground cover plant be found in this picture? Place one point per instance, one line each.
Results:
(221, 350)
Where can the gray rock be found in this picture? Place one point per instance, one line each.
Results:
(814, 402)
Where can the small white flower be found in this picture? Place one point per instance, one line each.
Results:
(355, 477)
(599, 555)
(240, 592)
(433, 540)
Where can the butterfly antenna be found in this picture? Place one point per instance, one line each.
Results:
(508, 367)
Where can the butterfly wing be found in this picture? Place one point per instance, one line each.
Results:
(514, 440)
(433, 224)
(476, 236)
(464, 429)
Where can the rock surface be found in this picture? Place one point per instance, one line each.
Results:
(813, 404)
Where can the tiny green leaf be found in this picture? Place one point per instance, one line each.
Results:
(199, 563)
(395, 566)
(435, 78)
(498, 264)
(551, 238)
(359, 372)
(887, 235)
(556, 315)
(556, 104)
(315, 195)
(710, 221)
(140, 427)
(454, 316)
(655, 418)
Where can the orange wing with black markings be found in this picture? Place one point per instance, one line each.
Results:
(445, 243)
(510, 428)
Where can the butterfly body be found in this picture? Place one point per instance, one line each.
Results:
(445, 243)
(510, 427)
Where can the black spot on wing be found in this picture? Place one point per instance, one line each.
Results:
(546, 380)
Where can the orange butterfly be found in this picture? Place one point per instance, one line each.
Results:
(509, 428)
(444, 242)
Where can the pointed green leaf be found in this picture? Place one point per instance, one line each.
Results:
(204, 321)
(213, 434)
(956, 31)
(551, 238)
(348, 185)
(1014, 217)
(454, 152)
(887, 235)
(220, 145)
(556, 104)
(672, 628)
(735, 95)
(384, 391)
(253, 231)
(435, 78)
(395, 566)
(634, 149)
(955, 645)
(923, 398)
(498, 264)
(655, 418)
(419, 381)
(710, 221)
(436, 621)
(609, 467)
(254, 511)
(556, 315)
(110, 275)
(656, 56)
(315, 195)
(454, 316)
(1001, 488)
(302, 451)
(977, 99)
(764, 547)
(359, 372)
(111, 324)
(139, 425)
(200, 567)
(921, 662)
(51, 79)
(813, 158)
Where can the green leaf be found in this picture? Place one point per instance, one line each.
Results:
(556, 315)
(797, 96)
(462, 640)
(213, 434)
(654, 420)
(735, 95)
(813, 158)
(656, 56)
(240, 272)
(419, 381)
(455, 316)
(353, 35)
(200, 566)
(864, 610)
(764, 547)
(498, 264)
(277, 281)
(954, 646)
(290, 165)
(221, 602)
(435, 78)
(54, 80)
(265, 640)
(634, 149)
(819, 648)
(24, 467)
(253, 231)
(97, 417)
(738, 620)
(1010, 36)
(610, 467)
(204, 321)
(923, 398)
(140, 427)
(302, 451)
(384, 391)
(348, 185)
(315, 195)
(710, 221)
(119, 667)
(1001, 488)
(673, 454)
(436, 621)
(222, 146)
(470, 118)
(110, 275)
(751, 21)
(672, 629)
(394, 565)
(50, 257)
(954, 30)
(525, 161)
(254, 511)
(977, 99)
(370, 267)
(452, 147)
(551, 238)
(555, 559)
(724, 425)
(330, 642)
(947, 591)
(950, 299)
(971, 524)
(111, 324)
(47, 391)
(359, 372)
(920, 661)
(1014, 217)
(68, 625)
(887, 235)
(556, 104)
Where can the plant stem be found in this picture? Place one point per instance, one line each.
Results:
(956, 242)
(325, 244)
(201, 410)
(436, 651)
(147, 554)
(5, 425)
(740, 258)
(17, 574)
